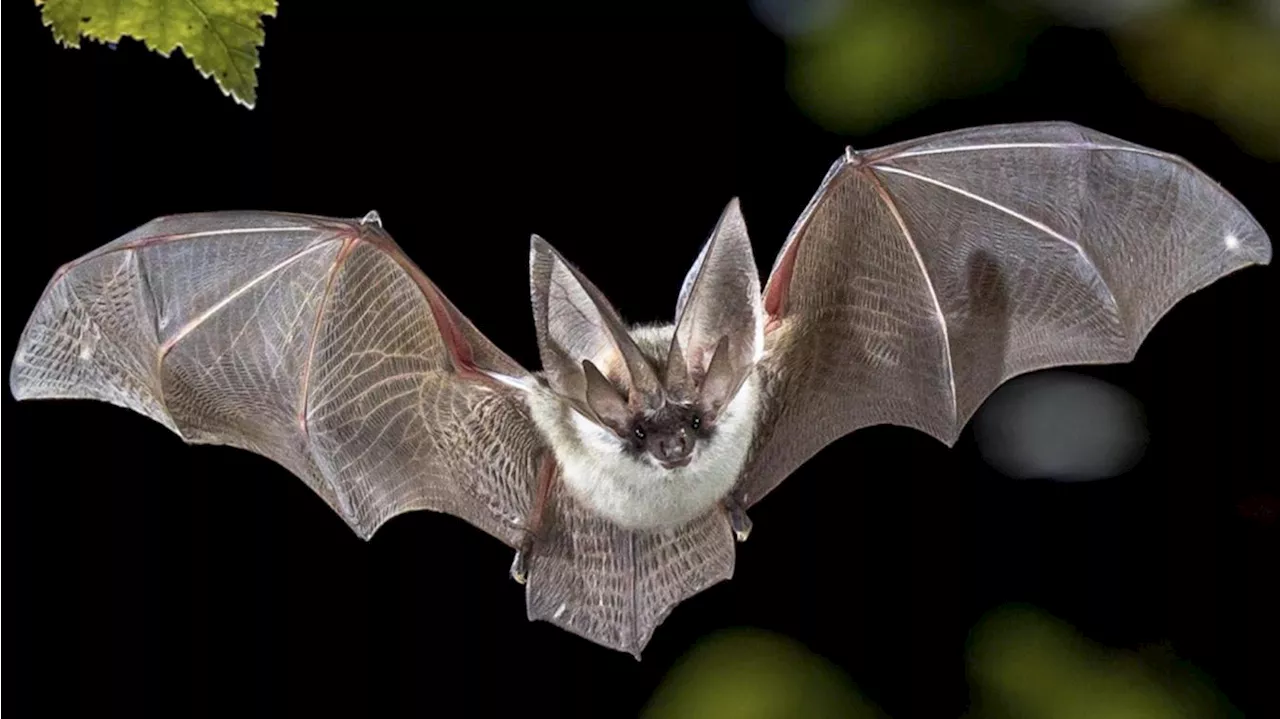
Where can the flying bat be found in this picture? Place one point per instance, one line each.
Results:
(920, 277)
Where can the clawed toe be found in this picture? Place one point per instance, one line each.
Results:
(738, 519)
(520, 565)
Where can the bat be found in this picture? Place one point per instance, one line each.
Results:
(919, 278)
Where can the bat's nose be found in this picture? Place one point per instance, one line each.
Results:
(675, 450)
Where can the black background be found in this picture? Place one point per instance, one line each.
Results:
(148, 575)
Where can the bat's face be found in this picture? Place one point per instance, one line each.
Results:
(646, 461)
(673, 425)
(668, 435)
(653, 429)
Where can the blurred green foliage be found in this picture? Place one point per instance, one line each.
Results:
(1217, 61)
(1022, 663)
(873, 62)
(1025, 664)
(221, 37)
(857, 65)
(756, 675)
(854, 65)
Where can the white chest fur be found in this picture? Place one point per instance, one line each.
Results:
(636, 492)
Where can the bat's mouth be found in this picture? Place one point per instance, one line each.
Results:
(676, 463)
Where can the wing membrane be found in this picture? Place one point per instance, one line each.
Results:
(311, 341)
(925, 274)
(615, 586)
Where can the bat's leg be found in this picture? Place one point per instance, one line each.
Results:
(738, 518)
(546, 473)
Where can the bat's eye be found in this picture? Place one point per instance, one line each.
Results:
(697, 421)
(639, 433)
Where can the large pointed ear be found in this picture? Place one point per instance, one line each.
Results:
(576, 323)
(719, 314)
(609, 407)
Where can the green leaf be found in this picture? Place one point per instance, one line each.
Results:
(221, 37)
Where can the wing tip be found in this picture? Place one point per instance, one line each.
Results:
(1263, 256)
(17, 388)
(21, 385)
(16, 381)
(22, 388)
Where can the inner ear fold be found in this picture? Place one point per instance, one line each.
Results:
(677, 381)
(721, 381)
(575, 322)
(604, 401)
(720, 300)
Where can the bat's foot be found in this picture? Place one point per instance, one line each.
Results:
(520, 565)
(738, 519)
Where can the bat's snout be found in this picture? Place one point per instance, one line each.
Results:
(673, 451)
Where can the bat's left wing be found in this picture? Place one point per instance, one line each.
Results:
(923, 275)
(313, 341)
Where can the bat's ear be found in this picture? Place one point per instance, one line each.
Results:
(577, 324)
(719, 313)
(603, 400)
(676, 379)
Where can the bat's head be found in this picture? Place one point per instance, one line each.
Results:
(660, 391)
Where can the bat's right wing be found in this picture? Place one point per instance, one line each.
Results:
(312, 341)
(923, 275)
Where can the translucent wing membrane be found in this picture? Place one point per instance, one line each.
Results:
(308, 340)
(923, 275)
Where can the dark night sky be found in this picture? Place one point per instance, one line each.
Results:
(148, 575)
